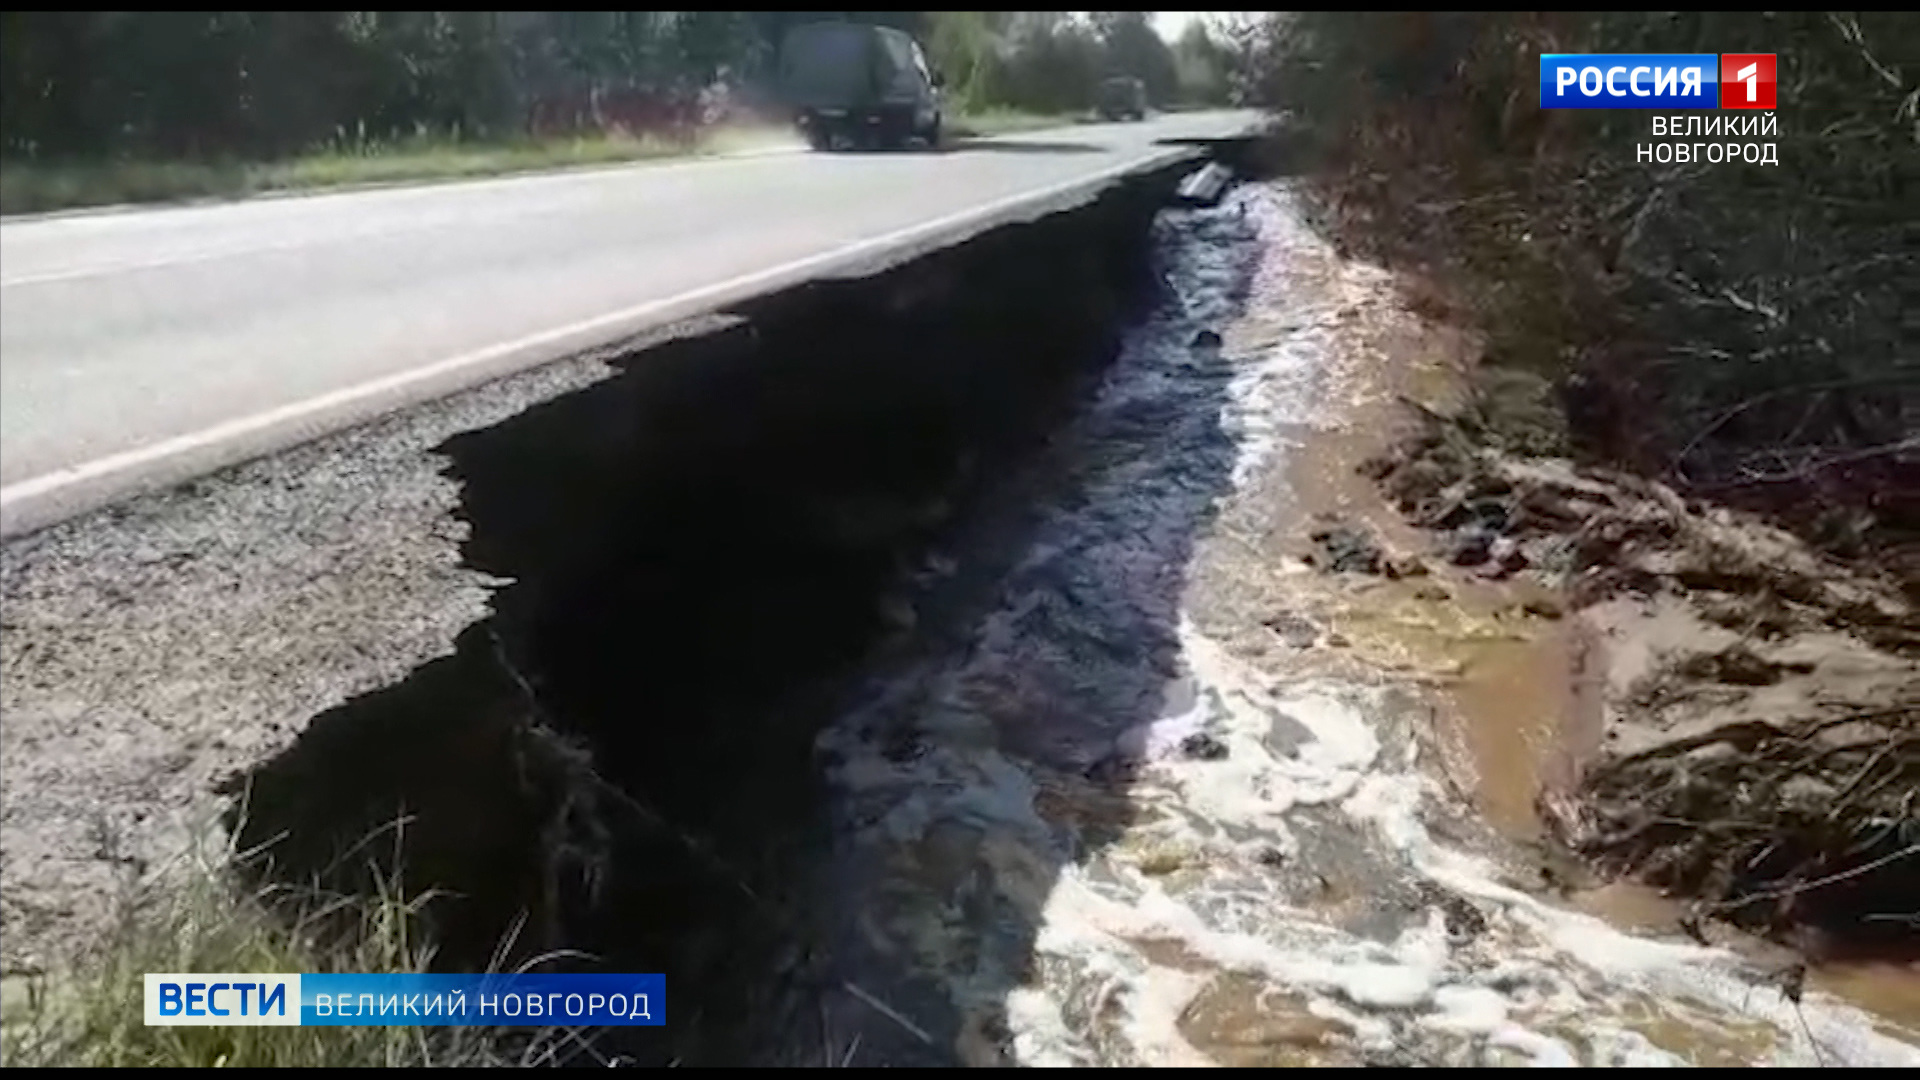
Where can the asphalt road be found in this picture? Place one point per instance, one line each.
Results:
(143, 347)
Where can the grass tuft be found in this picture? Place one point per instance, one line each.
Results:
(194, 916)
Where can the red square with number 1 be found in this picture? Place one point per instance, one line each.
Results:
(1747, 80)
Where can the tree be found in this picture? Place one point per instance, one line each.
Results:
(1132, 47)
(964, 46)
(96, 84)
(1051, 61)
(1202, 66)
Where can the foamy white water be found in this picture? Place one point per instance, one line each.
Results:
(1101, 839)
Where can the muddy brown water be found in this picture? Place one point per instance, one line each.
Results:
(1503, 696)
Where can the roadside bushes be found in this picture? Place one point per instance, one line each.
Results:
(1750, 333)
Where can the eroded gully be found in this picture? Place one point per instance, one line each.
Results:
(1095, 819)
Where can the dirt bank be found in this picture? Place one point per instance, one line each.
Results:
(1760, 739)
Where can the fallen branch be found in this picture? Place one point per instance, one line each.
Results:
(1809, 886)
(888, 1011)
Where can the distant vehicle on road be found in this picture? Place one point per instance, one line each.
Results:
(1123, 98)
(861, 85)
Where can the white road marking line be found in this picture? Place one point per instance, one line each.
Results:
(130, 460)
(191, 258)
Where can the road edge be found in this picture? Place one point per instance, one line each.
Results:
(27, 506)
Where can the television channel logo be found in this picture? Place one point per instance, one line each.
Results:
(198, 999)
(230, 1000)
(1663, 81)
(1749, 80)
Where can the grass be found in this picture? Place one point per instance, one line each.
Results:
(976, 123)
(982, 122)
(32, 187)
(27, 187)
(195, 918)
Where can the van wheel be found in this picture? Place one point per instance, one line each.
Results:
(820, 139)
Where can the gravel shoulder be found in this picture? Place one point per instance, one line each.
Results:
(153, 649)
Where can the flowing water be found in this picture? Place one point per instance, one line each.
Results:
(1090, 821)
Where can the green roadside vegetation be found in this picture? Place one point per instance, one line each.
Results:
(197, 915)
(103, 108)
(990, 122)
(1740, 330)
(27, 187)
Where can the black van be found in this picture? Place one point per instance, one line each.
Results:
(857, 84)
(1123, 98)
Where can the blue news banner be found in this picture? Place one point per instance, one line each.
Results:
(1663, 81)
(227, 1000)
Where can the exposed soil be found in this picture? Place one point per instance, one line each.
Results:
(1761, 747)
